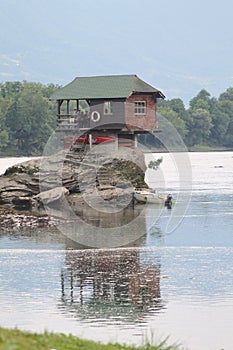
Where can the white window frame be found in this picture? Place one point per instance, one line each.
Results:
(140, 107)
(107, 107)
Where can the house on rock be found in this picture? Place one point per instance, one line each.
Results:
(106, 108)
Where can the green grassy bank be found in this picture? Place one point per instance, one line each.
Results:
(17, 340)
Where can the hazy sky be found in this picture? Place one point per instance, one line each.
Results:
(177, 46)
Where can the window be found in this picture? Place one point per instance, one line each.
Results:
(108, 107)
(140, 107)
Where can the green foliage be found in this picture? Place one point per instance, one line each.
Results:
(227, 95)
(27, 117)
(15, 339)
(4, 137)
(208, 122)
(202, 100)
(174, 118)
(201, 126)
(154, 164)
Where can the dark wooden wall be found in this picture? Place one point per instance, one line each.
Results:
(117, 116)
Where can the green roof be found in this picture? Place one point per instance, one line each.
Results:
(111, 86)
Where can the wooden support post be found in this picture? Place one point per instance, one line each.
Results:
(58, 107)
(71, 286)
(116, 143)
(59, 103)
(136, 140)
(62, 285)
(68, 107)
(90, 140)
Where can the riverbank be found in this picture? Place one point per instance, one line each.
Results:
(16, 339)
(196, 148)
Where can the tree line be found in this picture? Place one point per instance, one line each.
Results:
(28, 117)
(208, 121)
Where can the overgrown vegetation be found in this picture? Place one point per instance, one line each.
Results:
(22, 169)
(28, 117)
(154, 164)
(127, 171)
(15, 339)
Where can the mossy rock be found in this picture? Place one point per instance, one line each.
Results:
(19, 169)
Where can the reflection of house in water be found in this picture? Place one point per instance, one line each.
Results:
(106, 229)
(109, 283)
(105, 216)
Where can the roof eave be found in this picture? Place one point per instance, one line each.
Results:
(159, 94)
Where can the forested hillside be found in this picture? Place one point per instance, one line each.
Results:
(28, 117)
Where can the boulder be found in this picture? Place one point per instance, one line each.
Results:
(52, 195)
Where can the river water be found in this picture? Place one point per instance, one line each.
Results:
(175, 281)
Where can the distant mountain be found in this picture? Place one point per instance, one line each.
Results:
(177, 49)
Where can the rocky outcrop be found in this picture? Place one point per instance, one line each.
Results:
(81, 179)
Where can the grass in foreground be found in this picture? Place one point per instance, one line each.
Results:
(18, 340)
